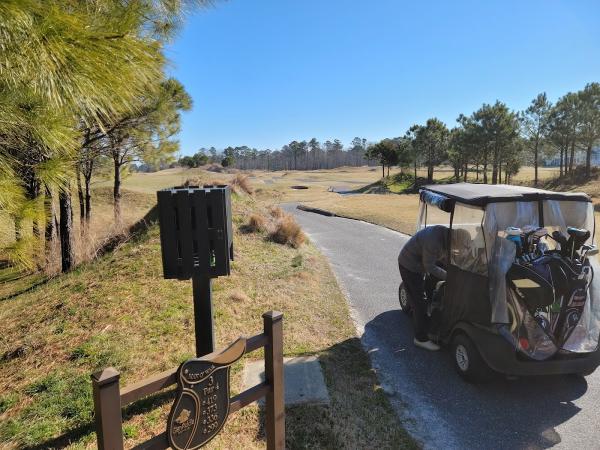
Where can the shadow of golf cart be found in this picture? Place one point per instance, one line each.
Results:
(520, 296)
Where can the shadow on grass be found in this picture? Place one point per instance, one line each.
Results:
(359, 414)
(140, 407)
(42, 280)
(134, 233)
(572, 180)
(400, 183)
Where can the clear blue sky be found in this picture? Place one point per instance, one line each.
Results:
(265, 72)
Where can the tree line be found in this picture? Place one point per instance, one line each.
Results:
(297, 155)
(83, 85)
(499, 140)
(493, 142)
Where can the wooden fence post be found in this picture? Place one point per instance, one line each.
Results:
(275, 402)
(107, 409)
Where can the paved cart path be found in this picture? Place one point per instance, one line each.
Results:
(437, 407)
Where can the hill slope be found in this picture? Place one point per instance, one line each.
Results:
(119, 311)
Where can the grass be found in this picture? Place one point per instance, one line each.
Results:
(119, 311)
(373, 202)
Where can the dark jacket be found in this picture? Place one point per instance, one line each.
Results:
(424, 249)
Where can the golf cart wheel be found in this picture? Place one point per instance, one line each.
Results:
(468, 361)
(403, 299)
(586, 373)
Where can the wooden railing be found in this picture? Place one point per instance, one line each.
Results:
(109, 398)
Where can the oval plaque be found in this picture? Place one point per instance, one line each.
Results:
(201, 405)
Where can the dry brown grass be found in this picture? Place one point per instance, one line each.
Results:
(239, 297)
(242, 182)
(288, 232)
(257, 223)
(119, 311)
(193, 181)
(276, 212)
(398, 212)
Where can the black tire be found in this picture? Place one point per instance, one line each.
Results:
(403, 300)
(586, 373)
(468, 361)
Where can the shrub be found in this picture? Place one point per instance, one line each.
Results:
(215, 168)
(276, 212)
(217, 182)
(288, 232)
(194, 181)
(256, 224)
(242, 182)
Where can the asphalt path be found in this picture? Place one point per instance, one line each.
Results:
(435, 405)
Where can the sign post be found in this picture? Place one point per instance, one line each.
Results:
(203, 314)
(196, 242)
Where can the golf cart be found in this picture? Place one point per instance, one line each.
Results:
(520, 296)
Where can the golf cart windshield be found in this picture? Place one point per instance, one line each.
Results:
(482, 254)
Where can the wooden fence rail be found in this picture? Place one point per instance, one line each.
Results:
(109, 399)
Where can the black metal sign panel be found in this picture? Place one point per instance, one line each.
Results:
(195, 231)
(201, 406)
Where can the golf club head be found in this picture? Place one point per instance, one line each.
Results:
(590, 250)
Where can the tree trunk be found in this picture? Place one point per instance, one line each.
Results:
(477, 172)
(382, 170)
(485, 164)
(49, 230)
(499, 172)
(49, 210)
(80, 198)
(572, 156)
(388, 175)
(465, 172)
(117, 191)
(415, 169)
(495, 167)
(67, 250)
(88, 200)
(560, 171)
(535, 163)
(588, 161)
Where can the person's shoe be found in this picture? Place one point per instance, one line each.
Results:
(427, 345)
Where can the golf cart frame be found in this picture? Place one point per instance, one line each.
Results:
(476, 317)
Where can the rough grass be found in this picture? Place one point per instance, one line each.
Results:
(287, 231)
(257, 223)
(242, 183)
(398, 212)
(119, 311)
(374, 202)
(276, 212)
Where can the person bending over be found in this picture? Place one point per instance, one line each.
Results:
(419, 256)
